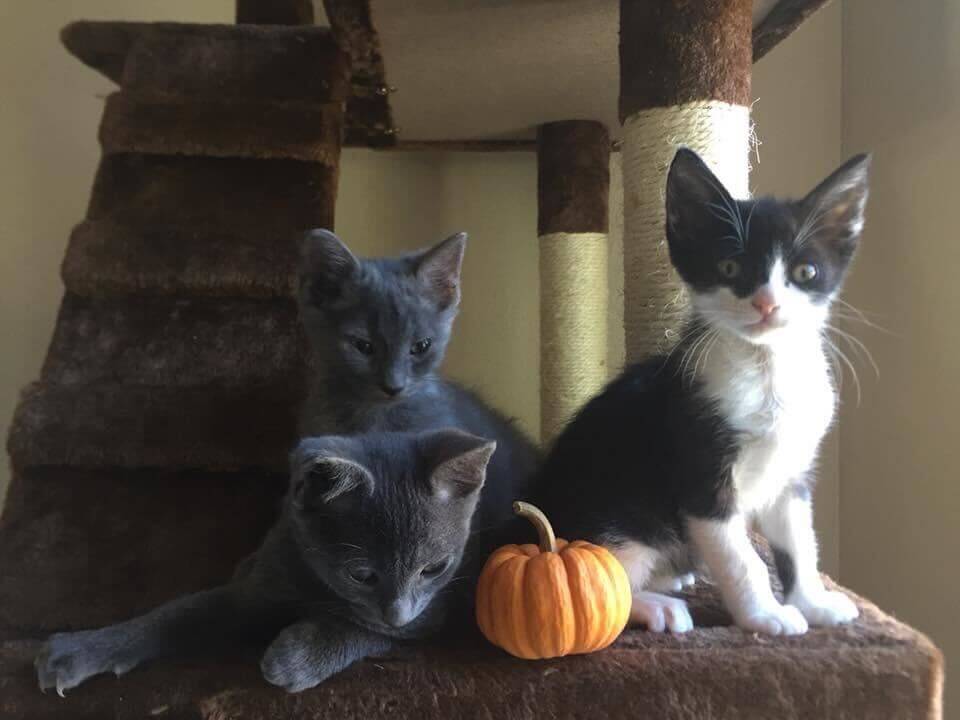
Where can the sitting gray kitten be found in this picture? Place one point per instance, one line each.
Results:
(373, 528)
(378, 331)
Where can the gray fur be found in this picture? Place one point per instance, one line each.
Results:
(397, 505)
(393, 303)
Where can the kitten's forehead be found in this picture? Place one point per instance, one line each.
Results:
(391, 298)
(404, 517)
(768, 227)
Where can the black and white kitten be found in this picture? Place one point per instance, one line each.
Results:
(672, 463)
(378, 331)
(372, 531)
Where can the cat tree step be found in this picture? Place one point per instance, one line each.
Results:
(216, 127)
(105, 257)
(874, 668)
(234, 195)
(220, 428)
(195, 60)
(80, 548)
(175, 342)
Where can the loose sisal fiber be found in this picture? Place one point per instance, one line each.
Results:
(654, 297)
(573, 325)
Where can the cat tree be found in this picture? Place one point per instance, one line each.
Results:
(149, 457)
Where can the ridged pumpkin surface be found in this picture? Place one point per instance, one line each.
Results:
(539, 604)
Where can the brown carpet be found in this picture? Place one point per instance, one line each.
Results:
(875, 668)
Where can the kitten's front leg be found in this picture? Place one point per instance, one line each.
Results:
(788, 526)
(191, 623)
(308, 652)
(742, 576)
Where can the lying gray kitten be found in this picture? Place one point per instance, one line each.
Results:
(373, 528)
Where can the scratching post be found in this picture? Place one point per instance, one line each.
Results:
(573, 182)
(684, 80)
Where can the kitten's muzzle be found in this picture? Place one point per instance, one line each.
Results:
(399, 612)
(764, 303)
(391, 390)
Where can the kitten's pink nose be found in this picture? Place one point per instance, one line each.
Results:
(764, 303)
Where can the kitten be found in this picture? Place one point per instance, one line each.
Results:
(373, 528)
(674, 459)
(378, 331)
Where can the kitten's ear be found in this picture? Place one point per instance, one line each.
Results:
(325, 265)
(323, 475)
(696, 200)
(439, 270)
(457, 462)
(835, 208)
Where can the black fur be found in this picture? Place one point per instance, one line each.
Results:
(652, 449)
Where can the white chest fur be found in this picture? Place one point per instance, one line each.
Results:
(780, 399)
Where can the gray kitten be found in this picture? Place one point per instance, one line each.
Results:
(378, 330)
(373, 528)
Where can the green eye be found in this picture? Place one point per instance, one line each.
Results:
(365, 347)
(804, 273)
(421, 346)
(728, 268)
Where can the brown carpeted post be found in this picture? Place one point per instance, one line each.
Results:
(151, 454)
(573, 184)
(275, 12)
(684, 81)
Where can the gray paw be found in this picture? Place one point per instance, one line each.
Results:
(67, 659)
(293, 665)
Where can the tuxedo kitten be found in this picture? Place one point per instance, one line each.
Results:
(676, 458)
(378, 330)
(372, 532)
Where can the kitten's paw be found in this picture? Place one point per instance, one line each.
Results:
(292, 665)
(671, 583)
(774, 620)
(67, 659)
(660, 613)
(826, 608)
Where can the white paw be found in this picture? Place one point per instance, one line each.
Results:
(660, 613)
(672, 583)
(774, 620)
(826, 608)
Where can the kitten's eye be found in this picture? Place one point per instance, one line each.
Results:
(363, 576)
(364, 347)
(804, 273)
(421, 346)
(728, 268)
(435, 569)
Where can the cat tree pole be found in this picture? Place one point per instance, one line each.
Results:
(684, 80)
(573, 183)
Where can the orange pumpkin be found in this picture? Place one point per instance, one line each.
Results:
(556, 599)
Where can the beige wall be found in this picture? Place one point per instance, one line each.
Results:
(797, 112)
(388, 201)
(900, 502)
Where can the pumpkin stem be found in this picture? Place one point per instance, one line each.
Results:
(548, 541)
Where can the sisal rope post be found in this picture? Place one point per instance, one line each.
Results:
(573, 183)
(684, 81)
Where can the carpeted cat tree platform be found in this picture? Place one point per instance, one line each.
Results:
(150, 456)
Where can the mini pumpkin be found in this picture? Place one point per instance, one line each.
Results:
(556, 599)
